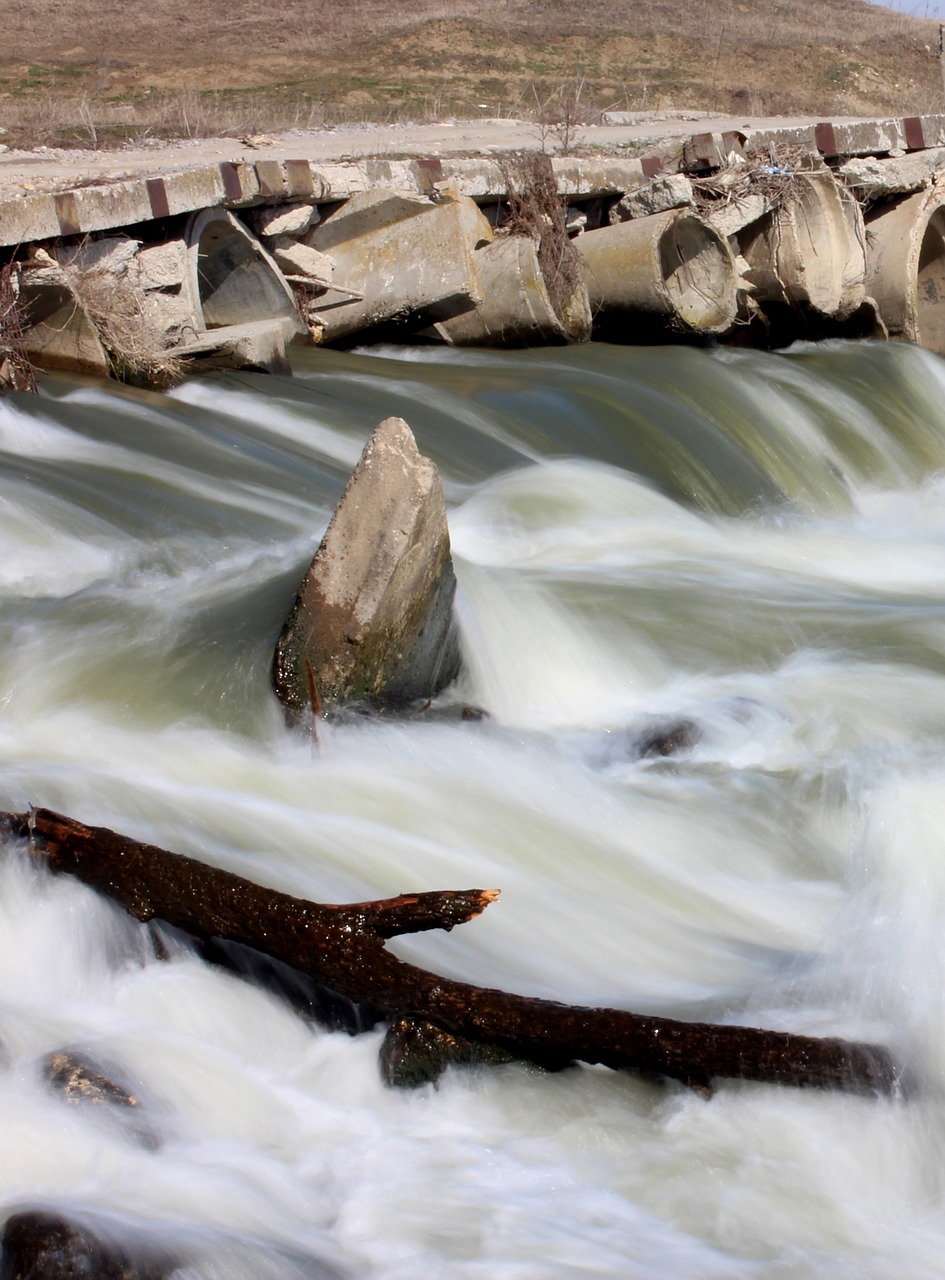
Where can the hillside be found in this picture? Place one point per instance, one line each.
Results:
(171, 68)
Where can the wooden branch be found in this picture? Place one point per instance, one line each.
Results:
(343, 948)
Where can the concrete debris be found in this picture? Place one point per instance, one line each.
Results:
(672, 192)
(297, 259)
(162, 266)
(259, 345)
(810, 251)
(284, 220)
(60, 333)
(670, 273)
(374, 614)
(874, 179)
(906, 267)
(231, 279)
(516, 310)
(407, 257)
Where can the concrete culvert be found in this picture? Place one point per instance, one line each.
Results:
(231, 278)
(906, 267)
(516, 310)
(672, 269)
(809, 252)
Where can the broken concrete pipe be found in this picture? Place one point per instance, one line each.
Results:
(230, 277)
(811, 250)
(374, 614)
(245, 309)
(397, 257)
(672, 273)
(905, 271)
(59, 332)
(516, 309)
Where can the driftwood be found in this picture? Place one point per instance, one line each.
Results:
(343, 948)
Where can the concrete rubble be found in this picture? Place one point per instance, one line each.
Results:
(400, 258)
(374, 614)
(351, 248)
(671, 192)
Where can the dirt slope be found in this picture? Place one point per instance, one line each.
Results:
(170, 66)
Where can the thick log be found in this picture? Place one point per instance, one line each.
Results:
(343, 948)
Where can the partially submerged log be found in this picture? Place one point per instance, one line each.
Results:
(343, 947)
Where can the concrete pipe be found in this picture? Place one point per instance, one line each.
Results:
(810, 251)
(906, 267)
(516, 310)
(231, 279)
(673, 269)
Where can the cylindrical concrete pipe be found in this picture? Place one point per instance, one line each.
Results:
(672, 270)
(516, 309)
(810, 251)
(231, 279)
(906, 267)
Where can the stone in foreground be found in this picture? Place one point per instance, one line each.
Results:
(374, 614)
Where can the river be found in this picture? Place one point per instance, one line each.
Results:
(749, 542)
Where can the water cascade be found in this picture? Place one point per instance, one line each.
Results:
(746, 543)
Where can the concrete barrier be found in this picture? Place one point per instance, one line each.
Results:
(809, 252)
(906, 267)
(672, 271)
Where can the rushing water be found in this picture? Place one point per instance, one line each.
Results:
(750, 542)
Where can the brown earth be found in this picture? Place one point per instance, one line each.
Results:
(71, 72)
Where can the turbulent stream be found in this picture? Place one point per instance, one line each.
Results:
(752, 543)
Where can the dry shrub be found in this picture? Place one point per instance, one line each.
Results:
(136, 350)
(16, 369)
(535, 210)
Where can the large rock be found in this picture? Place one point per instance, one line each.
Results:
(374, 614)
(42, 1246)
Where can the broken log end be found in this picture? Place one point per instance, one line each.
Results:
(418, 912)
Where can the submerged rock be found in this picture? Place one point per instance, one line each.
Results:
(81, 1083)
(374, 613)
(416, 1052)
(666, 738)
(43, 1246)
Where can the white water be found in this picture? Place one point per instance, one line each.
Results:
(751, 542)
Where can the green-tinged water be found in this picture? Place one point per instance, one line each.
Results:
(750, 543)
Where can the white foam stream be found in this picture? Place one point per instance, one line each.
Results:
(786, 870)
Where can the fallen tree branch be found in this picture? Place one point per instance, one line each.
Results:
(343, 948)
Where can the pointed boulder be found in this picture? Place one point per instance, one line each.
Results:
(374, 613)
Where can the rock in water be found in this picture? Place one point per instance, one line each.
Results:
(42, 1246)
(374, 614)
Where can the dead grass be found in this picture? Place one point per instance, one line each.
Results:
(171, 71)
(535, 210)
(136, 351)
(16, 369)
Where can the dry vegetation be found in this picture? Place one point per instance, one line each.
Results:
(173, 70)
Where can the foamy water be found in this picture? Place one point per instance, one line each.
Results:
(750, 543)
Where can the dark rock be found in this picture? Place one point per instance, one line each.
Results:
(42, 1246)
(80, 1083)
(374, 614)
(415, 1052)
(667, 739)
